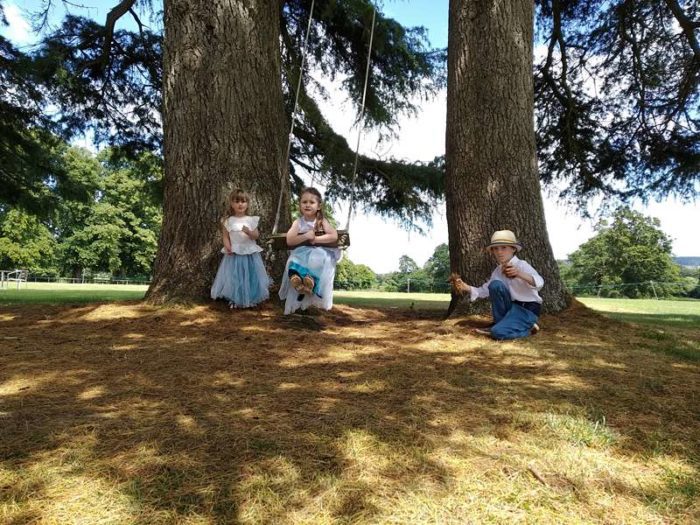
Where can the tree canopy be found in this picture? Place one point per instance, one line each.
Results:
(108, 81)
(616, 95)
(617, 102)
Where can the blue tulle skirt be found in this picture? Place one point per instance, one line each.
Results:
(319, 264)
(242, 280)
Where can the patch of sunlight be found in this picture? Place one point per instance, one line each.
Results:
(327, 405)
(369, 387)
(603, 363)
(74, 498)
(188, 423)
(366, 455)
(134, 336)
(248, 413)
(268, 489)
(349, 375)
(589, 430)
(226, 379)
(288, 386)
(111, 311)
(125, 347)
(200, 320)
(16, 385)
(298, 360)
(563, 382)
(7, 317)
(92, 393)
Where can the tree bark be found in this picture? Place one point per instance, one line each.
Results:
(492, 179)
(224, 127)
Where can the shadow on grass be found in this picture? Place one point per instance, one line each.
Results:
(240, 417)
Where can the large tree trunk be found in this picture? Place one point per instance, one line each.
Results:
(224, 127)
(492, 181)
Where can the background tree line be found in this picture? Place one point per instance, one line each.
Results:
(106, 218)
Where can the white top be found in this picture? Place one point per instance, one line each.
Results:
(306, 225)
(519, 289)
(240, 242)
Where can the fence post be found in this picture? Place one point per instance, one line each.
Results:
(654, 290)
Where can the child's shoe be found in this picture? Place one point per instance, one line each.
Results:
(309, 283)
(535, 328)
(296, 283)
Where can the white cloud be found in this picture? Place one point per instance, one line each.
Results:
(18, 30)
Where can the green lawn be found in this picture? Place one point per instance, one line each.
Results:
(373, 299)
(681, 313)
(648, 311)
(57, 293)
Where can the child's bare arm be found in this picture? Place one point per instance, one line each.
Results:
(294, 238)
(330, 236)
(227, 241)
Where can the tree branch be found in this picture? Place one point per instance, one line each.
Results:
(687, 25)
(115, 14)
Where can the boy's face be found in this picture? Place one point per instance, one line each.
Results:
(503, 254)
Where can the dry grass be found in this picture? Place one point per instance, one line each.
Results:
(125, 413)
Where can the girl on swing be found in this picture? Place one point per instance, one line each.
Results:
(308, 276)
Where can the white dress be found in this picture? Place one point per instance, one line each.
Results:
(241, 278)
(316, 262)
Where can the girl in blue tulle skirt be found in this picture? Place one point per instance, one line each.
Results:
(241, 279)
(308, 277)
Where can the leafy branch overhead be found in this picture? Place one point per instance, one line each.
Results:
(617, 97)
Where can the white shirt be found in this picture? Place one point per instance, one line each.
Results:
(240, 242)
(519, 289)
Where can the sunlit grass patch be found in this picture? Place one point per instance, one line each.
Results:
(578, 429)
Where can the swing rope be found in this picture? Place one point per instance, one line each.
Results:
(294, 114)
(360, 121)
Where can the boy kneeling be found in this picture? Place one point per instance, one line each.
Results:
(512, 290)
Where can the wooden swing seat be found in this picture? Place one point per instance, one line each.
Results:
(279, 241)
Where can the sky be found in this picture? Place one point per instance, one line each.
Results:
(379, 243)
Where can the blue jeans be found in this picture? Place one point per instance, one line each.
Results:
(511, 320)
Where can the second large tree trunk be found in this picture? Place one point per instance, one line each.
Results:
(492, 180)
(224, 127)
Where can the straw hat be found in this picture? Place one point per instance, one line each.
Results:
(504, 238)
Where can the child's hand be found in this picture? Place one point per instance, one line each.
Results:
(246, 230)
(310, 236)
(228, 251)
(458, 285)
(510, 271)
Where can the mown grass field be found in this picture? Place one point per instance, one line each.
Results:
(376, 412)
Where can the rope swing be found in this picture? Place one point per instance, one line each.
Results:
(294, 116)
(279, 241)
(351, 210)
